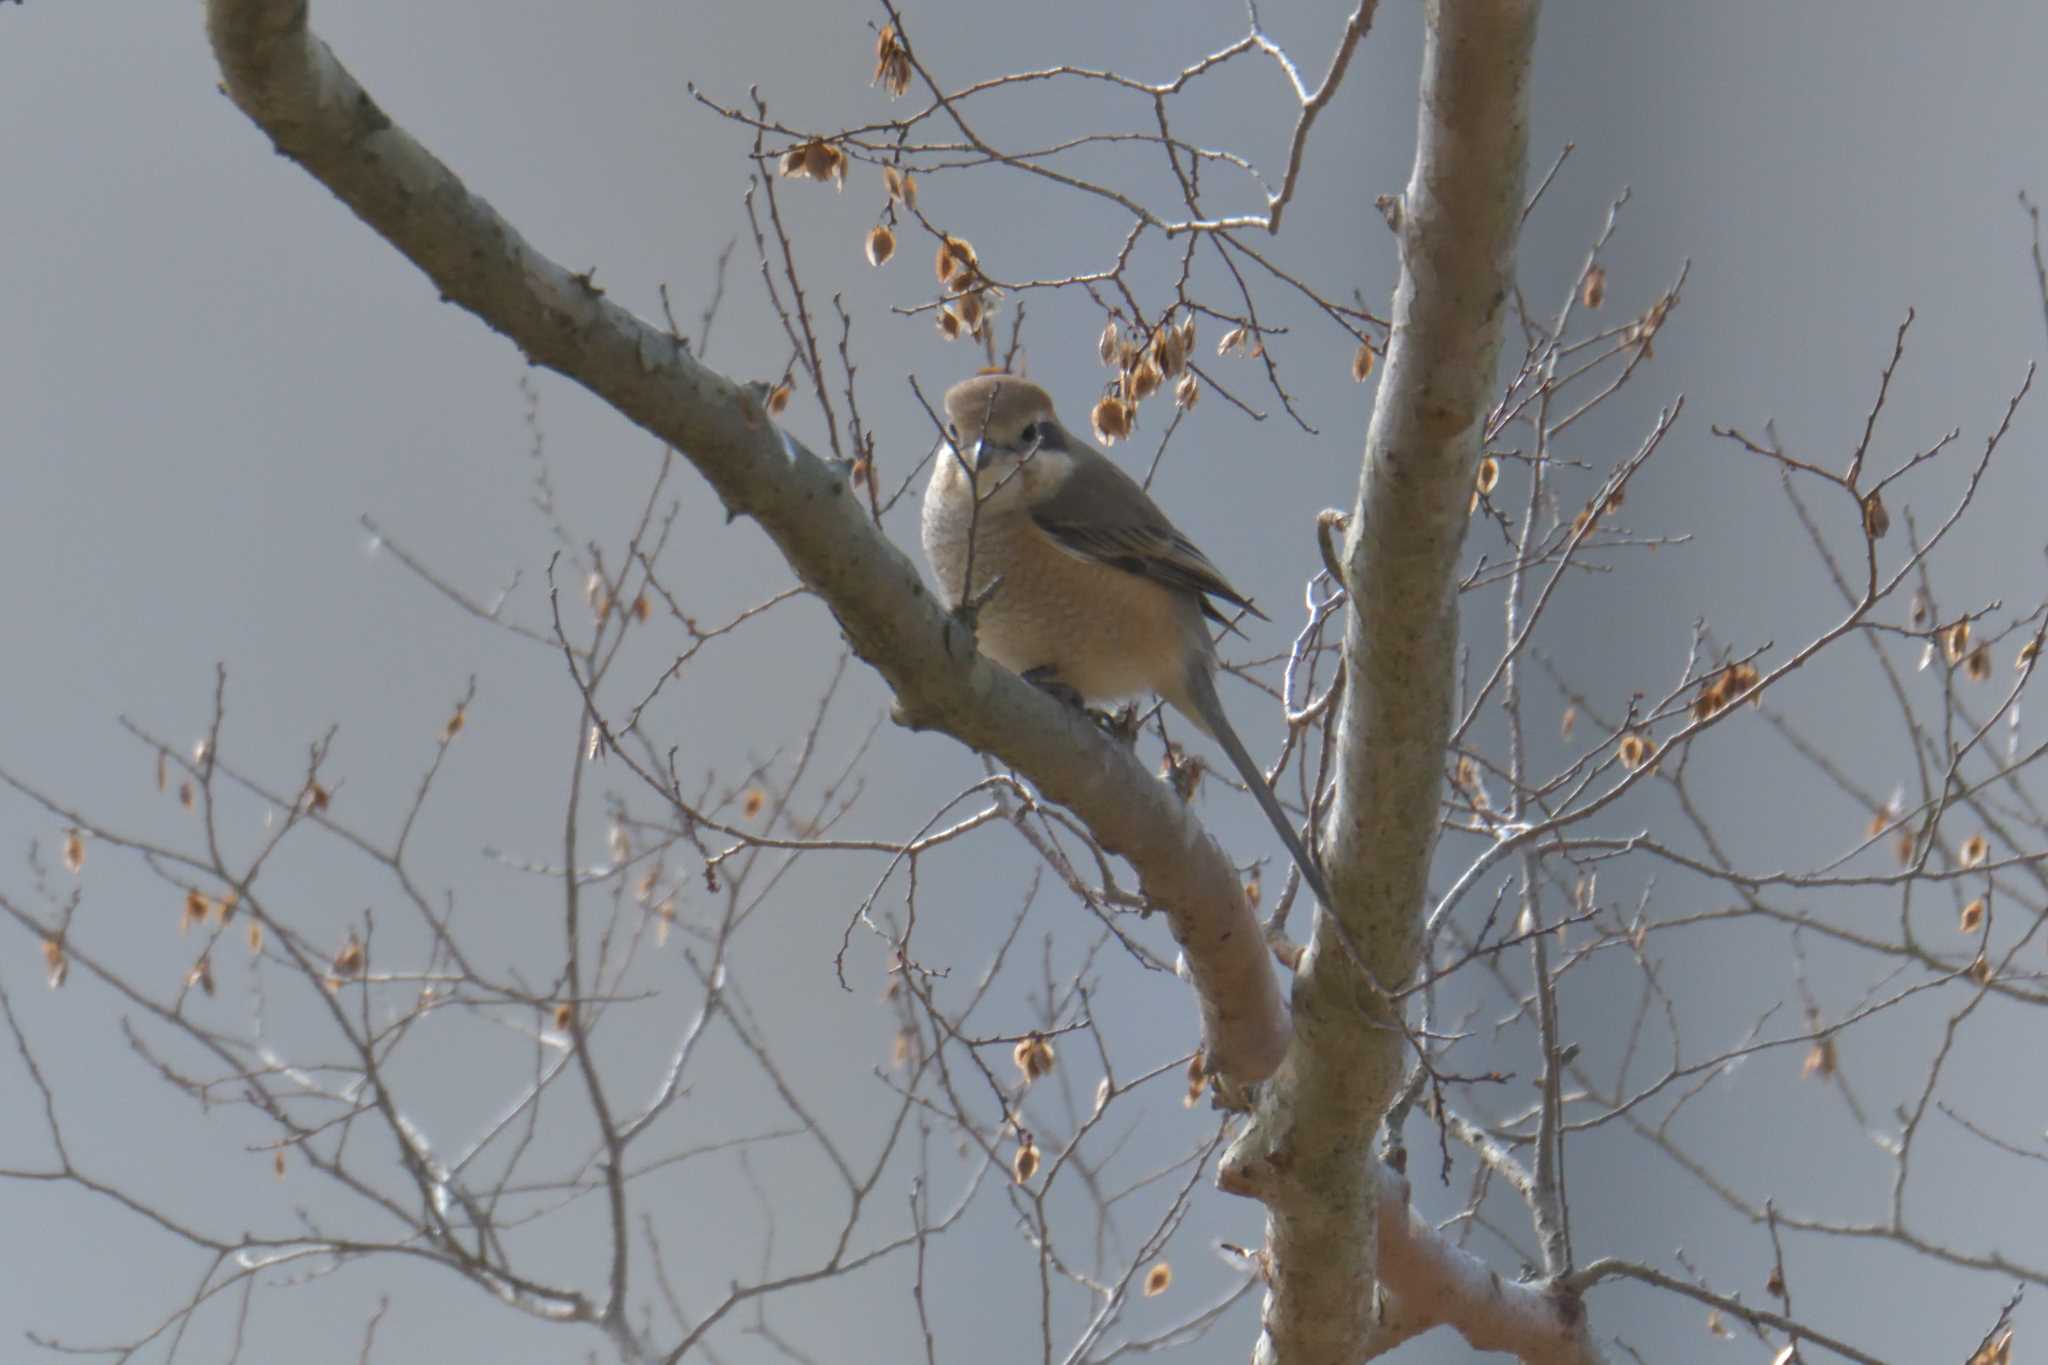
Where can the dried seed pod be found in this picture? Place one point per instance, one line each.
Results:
(1169, 350)
(1594, 292)
(955, 264)
(1955, 642)
(1361, 363)
(892, 62)
(350, 960)
(1820, 1059)
(1033, 1056)
(825, 163)
(969, 308)
(1111, 420)
(881, 244)
(1972, 917)
(1146, 379)
(1025, 1164)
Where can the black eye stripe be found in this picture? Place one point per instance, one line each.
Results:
(1046, 433)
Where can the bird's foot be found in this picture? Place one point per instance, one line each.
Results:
(1120, 725)
(1184, 771)
(1047, 680)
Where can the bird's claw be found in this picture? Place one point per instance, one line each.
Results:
(1121, 725)
(1046, 680)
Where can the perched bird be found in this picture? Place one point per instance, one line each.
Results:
(1100, 596)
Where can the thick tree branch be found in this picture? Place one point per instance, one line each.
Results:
(290, 84)
(1305, 1155)
(1429, 1281)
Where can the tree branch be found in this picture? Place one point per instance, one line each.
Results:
(290, 84)
(1304, 1155)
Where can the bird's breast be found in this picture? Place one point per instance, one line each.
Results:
(1103, 631)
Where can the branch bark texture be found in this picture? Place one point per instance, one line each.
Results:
(292, 86)
(1306, 1153)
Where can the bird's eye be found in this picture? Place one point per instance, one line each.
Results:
(1033, 433)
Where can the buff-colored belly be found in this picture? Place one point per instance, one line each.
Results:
(1105, 632)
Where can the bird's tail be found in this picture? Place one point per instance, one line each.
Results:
(1205, 708)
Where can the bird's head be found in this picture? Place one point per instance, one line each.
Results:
(1004, 428)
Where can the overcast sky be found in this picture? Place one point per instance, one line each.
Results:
(210, 373)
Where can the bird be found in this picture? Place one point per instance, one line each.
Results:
(1077, 580)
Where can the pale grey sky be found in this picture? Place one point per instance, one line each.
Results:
(209, 371)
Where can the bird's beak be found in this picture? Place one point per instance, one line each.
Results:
(985, 451)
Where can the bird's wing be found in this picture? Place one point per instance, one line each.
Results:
(1103, 514)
